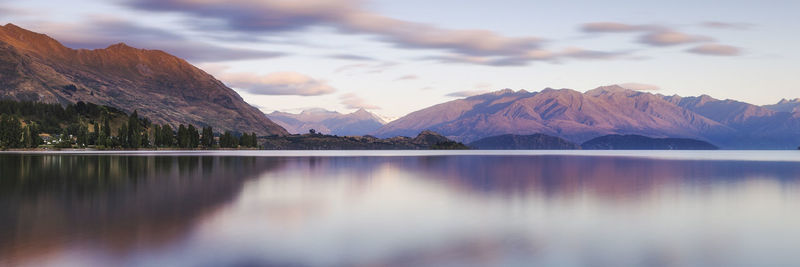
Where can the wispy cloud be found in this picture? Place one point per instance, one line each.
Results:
(349, 16)
(726, 25)
(670, 37)
(102, 31)
(407, 77)
(467, 93)
(278, 83)
(365, 67)
(661, 36)
(592, 54)
(351, 57)
(715, 50)
(353, 101)
(601, 27)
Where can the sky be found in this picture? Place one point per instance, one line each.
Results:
(395, 57)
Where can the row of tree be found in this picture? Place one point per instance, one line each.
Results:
(13, 134)
(20, 128)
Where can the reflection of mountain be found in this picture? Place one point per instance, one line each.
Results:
(556, 176)
(360, 122)
(607, 177)
(118, 201)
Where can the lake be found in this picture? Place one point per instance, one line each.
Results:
(400, 208)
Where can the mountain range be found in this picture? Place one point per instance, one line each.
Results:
(360, 122)
(162, 87)
(578, 117)
(167, 89)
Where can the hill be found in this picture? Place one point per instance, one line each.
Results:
(527, 142)
(360, 122)
(316, 141)
(167, 89)
(579, 117)
(638, 142)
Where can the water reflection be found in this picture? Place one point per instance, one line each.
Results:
(396, 211)
(118, 203)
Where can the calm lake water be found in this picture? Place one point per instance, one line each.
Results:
(395, 208)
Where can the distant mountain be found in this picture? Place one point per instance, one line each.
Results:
(162, 87)
(755, 126)
(606, 110)
(785, 105)
(512, 141)
(638, 142)
(360, 122)
(564, 113)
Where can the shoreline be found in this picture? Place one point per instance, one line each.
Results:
(686, 155)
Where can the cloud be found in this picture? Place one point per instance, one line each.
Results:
(670, 37)
(533, 55)
(351, 57)
(482, 85)
(467, 93)
(600, 27)
(726, 25)
(715, 50)
(277, 83)
(640, 86)
(480, 60)
(653, 35)
(348, 16)
(591, 54)
(353, 101)
(101, 31)
(407, 77)
(366, 67)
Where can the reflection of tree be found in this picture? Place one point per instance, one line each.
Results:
(119, 201)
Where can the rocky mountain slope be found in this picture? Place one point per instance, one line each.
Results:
(167, 89)
(360, 122)
(785, 105)
(606, 110)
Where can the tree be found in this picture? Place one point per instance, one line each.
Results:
(183, 136)
(35, 139)
(83, 136)
(248, 140)
(103, 139)
(122, 137)
(27, 139)
(167, 136)
(228, 140)
(95, 134)
(10, 132)
(157, 141)
(64, 140)
(208, 137)
(106, 126)
(193, 136)
(134, 133)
